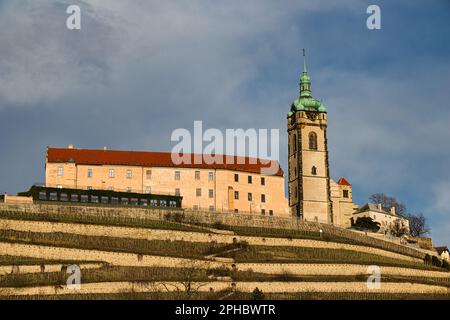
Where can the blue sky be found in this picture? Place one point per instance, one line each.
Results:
(138, 70)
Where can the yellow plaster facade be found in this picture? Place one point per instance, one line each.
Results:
(201, 189)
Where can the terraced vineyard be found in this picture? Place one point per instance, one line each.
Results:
(172, 258)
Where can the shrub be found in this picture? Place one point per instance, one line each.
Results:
(174, 216)
(446, 265)
(218, 225)
(367, 223)
(428, 261)
(257, 294)
(436, 261)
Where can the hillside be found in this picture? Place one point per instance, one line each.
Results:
(157, 254)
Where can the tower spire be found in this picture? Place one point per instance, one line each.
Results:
(304, 62)
(305, 81)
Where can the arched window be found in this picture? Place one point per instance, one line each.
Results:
(294, 143)
(314, 171)
(312, 141)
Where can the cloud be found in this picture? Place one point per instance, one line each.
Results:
(204, 44)
(439, 211)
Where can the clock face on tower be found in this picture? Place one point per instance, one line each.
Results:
(312, 115)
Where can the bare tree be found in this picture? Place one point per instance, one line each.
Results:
(397, 228)
(418, 225)
(388, 202)
(190, 274)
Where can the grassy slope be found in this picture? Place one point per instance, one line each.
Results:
(183, 249)
(318, 255)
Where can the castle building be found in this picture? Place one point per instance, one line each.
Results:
(238, 187)
(313, 195)
(378, 214)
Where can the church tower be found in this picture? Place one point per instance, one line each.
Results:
(309, 177)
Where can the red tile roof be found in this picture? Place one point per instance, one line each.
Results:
(343, 182)
(151, 159)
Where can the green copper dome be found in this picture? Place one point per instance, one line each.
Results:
(306, 102)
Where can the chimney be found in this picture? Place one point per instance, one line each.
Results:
(70, 146)
(393, 210)
(379, 206)
(105, 148)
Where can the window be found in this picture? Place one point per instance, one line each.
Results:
(89, 173)
(314, 171)
(197, 175)
(105, 200)
(236, 210)
(84, 198)
(249, 179)
(129, 174)
(53, 196)
(263, 198)
(63, 197)
(345, 193)
(111, 173)
(74, 197)
(172, 203)
(211, 208)
(134, 201)
(148, 174)
(94, 199)
(124, 200)
(60, 171)
(250, 196)
(211, 193)
(177, 175)
(153, 202)
(294, 143)
(198, 192)
(263, 181)
(177, 192)
(42, 195)
(263, 212)
(163, 203)
(144, 202)
(114, 200)
(148, 190)
(312, 141)
(236, 195)
(211, 176)
(236, 177)
(270, 212)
